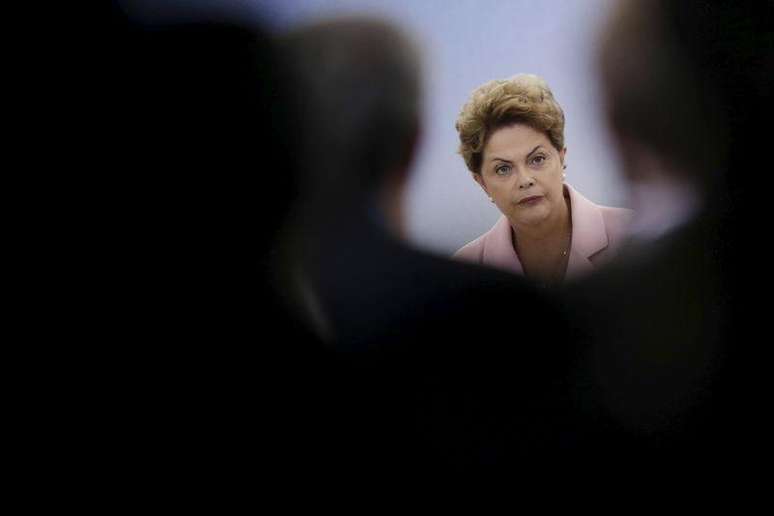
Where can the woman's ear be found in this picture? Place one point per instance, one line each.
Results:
(480, 181)
(562, 154)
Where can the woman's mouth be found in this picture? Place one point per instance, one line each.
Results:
(529, 201)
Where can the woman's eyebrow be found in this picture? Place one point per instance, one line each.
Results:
(532, 151)
(495, 158)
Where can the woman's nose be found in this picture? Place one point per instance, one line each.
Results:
(526, 183)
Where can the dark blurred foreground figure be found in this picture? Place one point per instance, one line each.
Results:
(195, 125)
(196, 121)
(673, 330)
(452, 368)
(408, 370)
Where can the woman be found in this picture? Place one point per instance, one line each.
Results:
(512, 139)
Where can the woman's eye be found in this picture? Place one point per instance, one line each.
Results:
(538, 160)
(501, 171)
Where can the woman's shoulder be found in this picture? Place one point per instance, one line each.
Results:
(597, 220)
(474, 250)
(617, 221)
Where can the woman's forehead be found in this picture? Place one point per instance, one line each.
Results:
(514, 142)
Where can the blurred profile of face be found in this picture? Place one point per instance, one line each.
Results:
(523, 174)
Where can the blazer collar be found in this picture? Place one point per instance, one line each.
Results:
(588, 238)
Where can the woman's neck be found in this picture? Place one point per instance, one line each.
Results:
(544, 249)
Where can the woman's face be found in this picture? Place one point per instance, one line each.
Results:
(523, 173)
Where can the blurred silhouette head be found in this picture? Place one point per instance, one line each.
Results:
(686, 84)
(357, 85)
(656, 103)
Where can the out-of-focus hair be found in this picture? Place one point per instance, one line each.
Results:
(357, 85)
(522, 99)
(655, 92)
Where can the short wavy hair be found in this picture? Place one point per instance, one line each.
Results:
(522, 99)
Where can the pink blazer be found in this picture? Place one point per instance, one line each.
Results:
(597, 232)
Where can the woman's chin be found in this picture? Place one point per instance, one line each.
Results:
(532, 218)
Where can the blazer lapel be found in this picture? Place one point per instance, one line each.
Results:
(588, 233)
(498, 248)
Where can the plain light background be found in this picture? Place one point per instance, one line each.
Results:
(465, 43)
